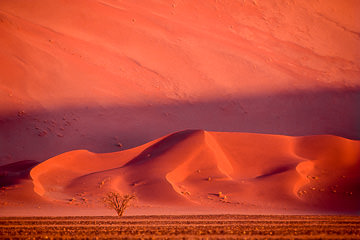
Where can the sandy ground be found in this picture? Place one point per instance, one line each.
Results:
(180, 227)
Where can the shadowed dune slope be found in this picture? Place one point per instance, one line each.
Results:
(13, 173)
(200, 168)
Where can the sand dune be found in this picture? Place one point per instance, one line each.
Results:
(86, 75)
(196, 168)
(110, 76)
(13, 173)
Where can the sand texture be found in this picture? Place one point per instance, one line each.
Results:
(196, 171)
(97, 96)
(102, 74)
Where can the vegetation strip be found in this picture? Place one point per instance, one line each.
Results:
(163, 227)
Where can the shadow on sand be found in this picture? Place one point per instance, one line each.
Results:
(43, 134)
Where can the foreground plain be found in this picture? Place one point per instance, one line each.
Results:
(180, 227)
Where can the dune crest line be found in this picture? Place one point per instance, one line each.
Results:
(200, 167)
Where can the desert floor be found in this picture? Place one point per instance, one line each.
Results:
(182, 227)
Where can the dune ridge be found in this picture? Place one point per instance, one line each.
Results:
(203, 168)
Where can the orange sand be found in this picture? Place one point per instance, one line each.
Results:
(87, 75)
(108, 76)
(196, 170)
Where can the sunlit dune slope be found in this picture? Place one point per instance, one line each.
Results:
(90, 74)
(200, 168)
(57, 52)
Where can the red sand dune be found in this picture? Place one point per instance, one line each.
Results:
(13, 173)
(90, 74)
(109, 75)
(232, 172)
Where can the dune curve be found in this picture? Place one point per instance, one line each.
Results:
(215, 168)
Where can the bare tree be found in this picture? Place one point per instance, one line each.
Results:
(118, 202)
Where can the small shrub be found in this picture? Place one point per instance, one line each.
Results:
(118, 202)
